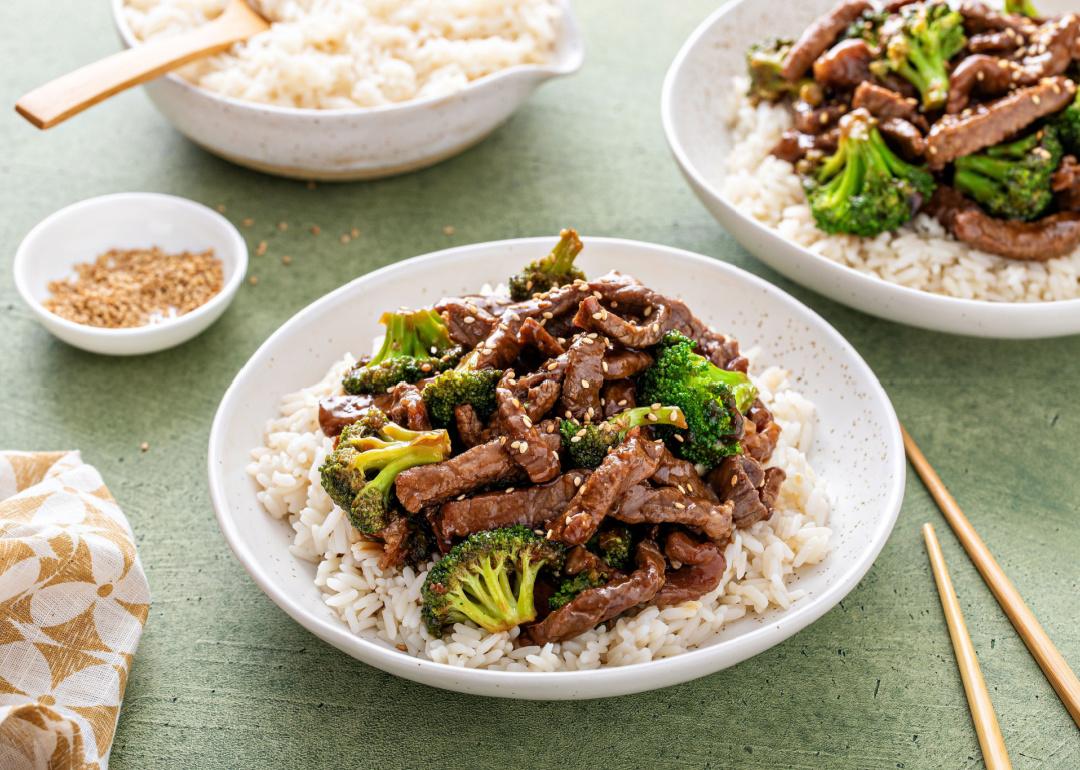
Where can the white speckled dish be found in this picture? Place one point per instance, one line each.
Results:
(694, 111)
(857, 447)
(350, 144)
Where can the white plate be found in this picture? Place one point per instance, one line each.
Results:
(694, 109)
(354, 143)
(857, 446)
(83, 231)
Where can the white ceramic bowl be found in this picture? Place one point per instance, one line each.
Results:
(694, 109)
(857, 446)
(351, 144)
(85, 230)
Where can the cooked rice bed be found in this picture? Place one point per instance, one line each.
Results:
(920, 255)
(340, 54)
(385, 604)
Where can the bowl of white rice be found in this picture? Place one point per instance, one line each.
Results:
(839, 445)
(918, 275)
(356, 89)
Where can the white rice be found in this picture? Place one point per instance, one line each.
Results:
(334, 54)
(920, 255)
(384, 605)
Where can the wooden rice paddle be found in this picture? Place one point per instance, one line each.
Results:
(70, 94)
(1051, 661)
(982, 710)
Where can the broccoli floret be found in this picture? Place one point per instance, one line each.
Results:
(864, 188)
(615, 545)
(461, 386)
(488, 579)
(1022, 7)
(1012, 180)
(930, 34)
(1067, 125)
(707, 395)
(570, 587)
(867, 27)
(763, 64)
(556, 269)
(587, 445)
(417, 344)
(359, 474)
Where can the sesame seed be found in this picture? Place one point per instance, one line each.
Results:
(680, 506)
(575, 439)
(648, 311)
(552, 366)
(577, 481)
(548, 315)
(523, 447)
(823, 118)
(656, 328)
(469, 319)
(1035, 99)
(734, 480)
(673, 414)
(597, 316)
(550, 534)
(260, 249)
(622, 402)
(525, 419)
(569, 415)
(253, 280)
(655, 406)
(651, 416)
(461, 497)
(585, 384)
(604, 365)
(286, 259)
(509, 490)
(247, 222)
(221, 208)
(678, 438)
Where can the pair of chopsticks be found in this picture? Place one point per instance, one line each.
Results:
(1051, 662)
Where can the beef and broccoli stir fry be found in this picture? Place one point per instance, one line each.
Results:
(966, 113)
(567, 453)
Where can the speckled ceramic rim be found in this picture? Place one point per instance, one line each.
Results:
(599, 682)
(225, 296)
(567, 66)
(1012, 310)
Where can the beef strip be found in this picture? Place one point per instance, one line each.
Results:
(541, 399)
(597, 605)
(524, 445)
(904, 137)
(703, 568)
(994, 42)
(408, 407)
(884, 103)
(404, 542)
(620, 364)
(722, 351)
(741, 480)
(531, 506)
(473, 469)
(643, 504)
(845, 65)
(469, 427)
(1038, 241)
(795, 145)
(810, 119)
(681, 474)
(817, 38)
(1066, 184)
(468, 322)
(770, 490)
(584, 377)
(591, 315)
(1049, 55)
(533, 334)
(979, 17)
(335, 412)
(986, 125)
(617, 396)
(760, 432)
(630, 463)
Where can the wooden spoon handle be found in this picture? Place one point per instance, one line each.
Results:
(70, 94)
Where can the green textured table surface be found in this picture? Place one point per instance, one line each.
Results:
(224, 679)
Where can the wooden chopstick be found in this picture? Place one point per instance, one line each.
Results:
(982, 710)
(1048, 657)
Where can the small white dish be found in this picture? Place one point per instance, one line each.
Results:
(83, 231)
(694, 110)
(856, 447)
(352, 144)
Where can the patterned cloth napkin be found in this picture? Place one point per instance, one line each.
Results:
(73, 601)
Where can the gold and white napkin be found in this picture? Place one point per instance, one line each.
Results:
(73, 602)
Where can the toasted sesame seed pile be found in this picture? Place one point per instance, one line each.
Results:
(137, 287)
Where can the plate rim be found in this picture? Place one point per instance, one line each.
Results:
(602, 682)
(1010, 310)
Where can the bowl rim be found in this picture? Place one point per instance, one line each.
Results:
(20, 267)
(569, 36)
(682, 667)
(1018, 310)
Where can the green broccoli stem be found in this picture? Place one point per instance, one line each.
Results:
(629, 419)
(561, 259)
(927, 73)
(976, 185)
(984, 165)
(1022, 7)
